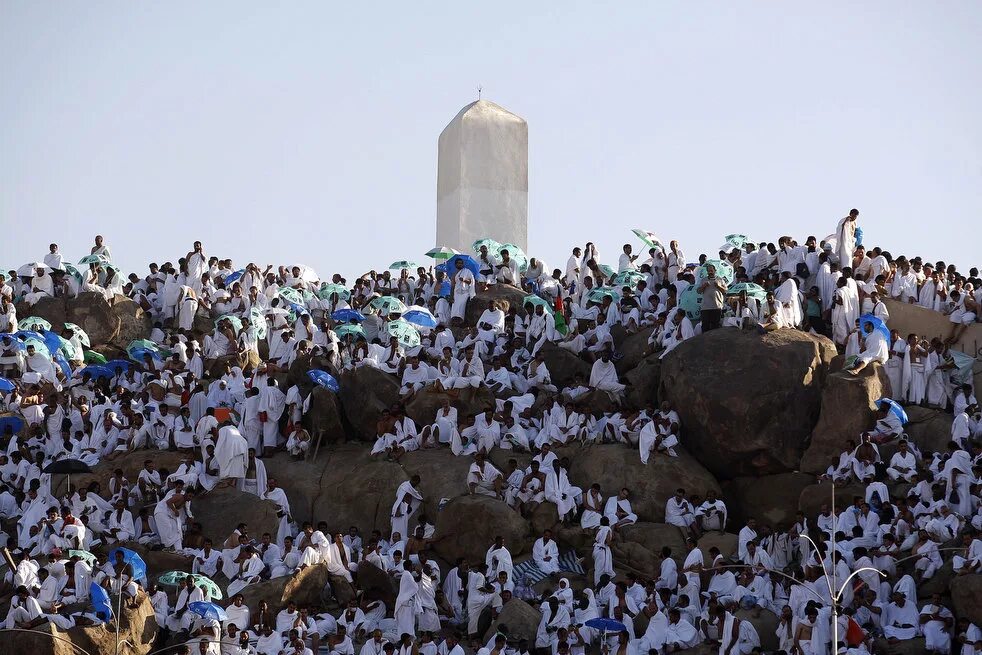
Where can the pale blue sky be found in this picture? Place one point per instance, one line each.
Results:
(307, 131)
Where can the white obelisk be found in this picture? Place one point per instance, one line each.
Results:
(482, 178)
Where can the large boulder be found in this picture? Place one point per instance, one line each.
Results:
(747, 401)
(376, 584)
(771, 499)
(632, 557)
(468, 525)
(130, 462)
(93, 313)
(305, 588)
(222, 509)
(442, 475)
(726, 542)
(365, 392)
(504, 294)
(848, 409)
(521, 618)
(423, 407)
(344, 487)
(632, 348)
(966, 596)
(564, 367)
(930, 429)
(134, 323)
(643, 383)
(614, 466)
(814, 496)
(323, 419)
(655, 536)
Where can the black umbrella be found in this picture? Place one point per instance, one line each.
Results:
(67, 467)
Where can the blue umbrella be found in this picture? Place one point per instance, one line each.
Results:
(444, 289)
(96, 371)
(15, 423)
(113, 364)
(138, 353)
(420, 317)
(52, 341)
(208, 611)
(324, 379)
(348, 315)
(6, 386)
(895, 407)
(99, 598)
(135, 562)
(469, 263)
(233, 276)
(62, 363)
(28, 334)
(877, 324)
(607, 625)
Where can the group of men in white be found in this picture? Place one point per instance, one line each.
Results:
(218, 401)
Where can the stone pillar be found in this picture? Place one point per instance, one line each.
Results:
(482, 178)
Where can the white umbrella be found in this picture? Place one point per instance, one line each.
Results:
(27, 270)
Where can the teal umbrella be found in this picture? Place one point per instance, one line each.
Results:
(691, 303)
(441, 253)
(401, 264)
(752, 290)
(597, 294)
(648, 238)
(83, 554)
(173, 578)
(629, 279)
(71, 270)
(259, 322)
(536, 300)
(353, 330)
(291, 294)
(31, 323)
(92, 259)
(386, 305)
(608, 271)
(735, 240)
(724, 271)
(83, 338)
(327, 290)
(962, 373)
(515, 253)
(39, 346)
(231, 318)
(491, 244)
(404, 331)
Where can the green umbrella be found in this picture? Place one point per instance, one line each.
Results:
(536, 300)
(597, 294)
(442, 253)
(648, 238)
(752, 290)
(404, 331)
(386, 305)
(353, 330)
(31, 321)
(735, 240)
(629, 279)
(146, 344)
(327, 290)
(92, 259)
(491, 244)
(401, 264)
(173, 578)
(92, 357)
(83, 554)
(231, 318)
(83, 338)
